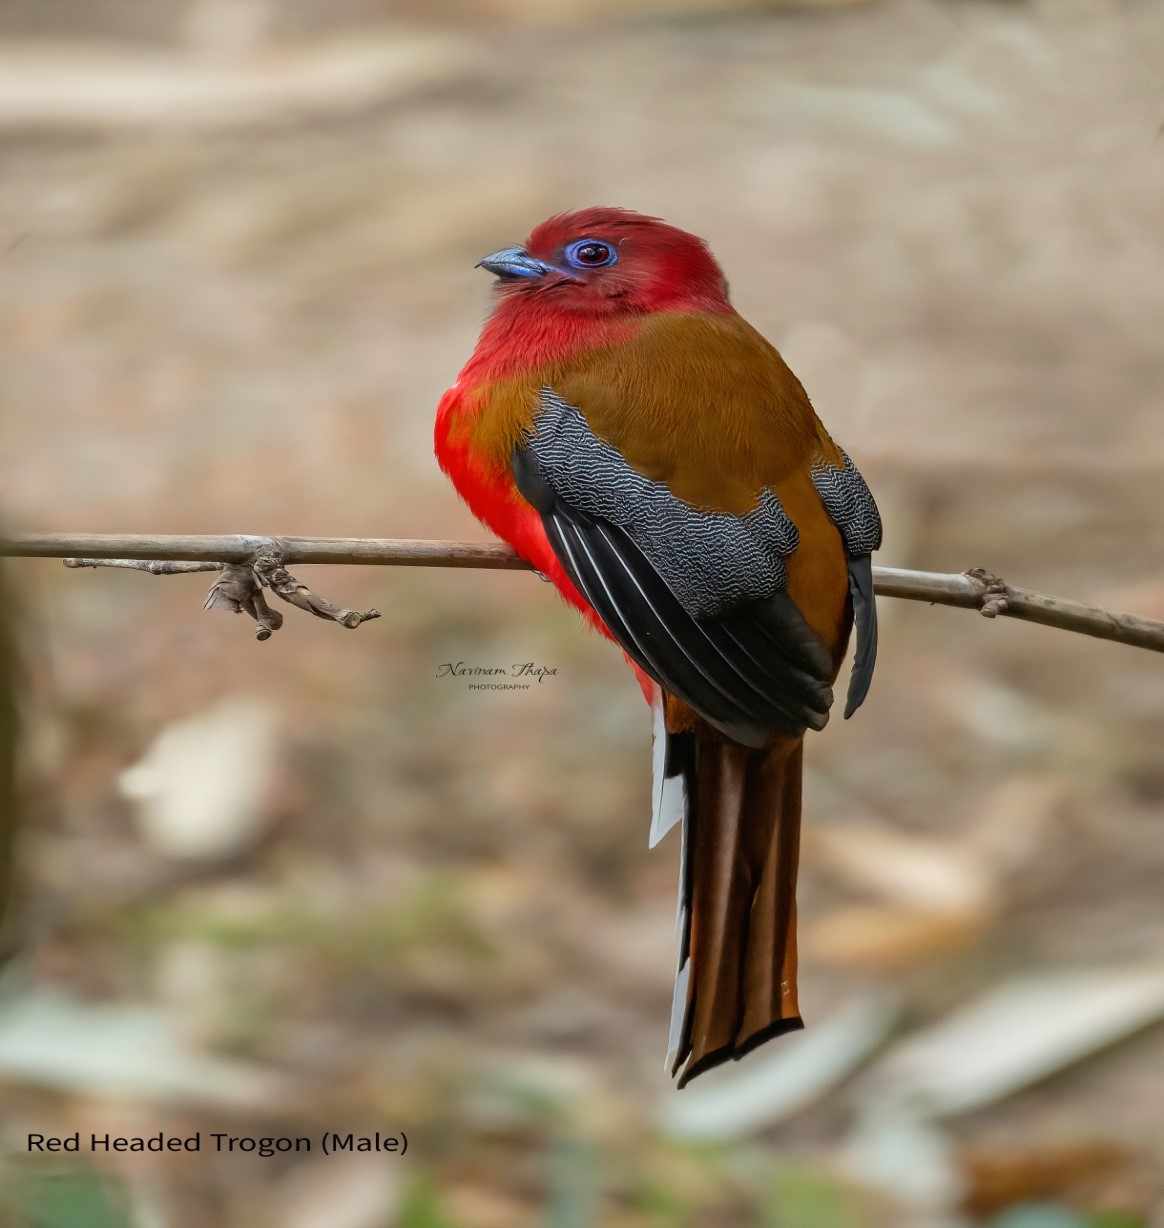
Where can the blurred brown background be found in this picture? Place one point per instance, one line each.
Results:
(276, 889)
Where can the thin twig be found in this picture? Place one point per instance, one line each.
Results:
(156, 567)
(976, 589)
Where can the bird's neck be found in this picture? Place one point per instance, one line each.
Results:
(523, 334)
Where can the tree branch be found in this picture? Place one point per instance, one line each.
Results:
(268, 556)
(238, 548)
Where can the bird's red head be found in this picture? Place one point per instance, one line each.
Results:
(604, 262)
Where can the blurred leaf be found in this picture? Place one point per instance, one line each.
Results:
(369, 940)
(72, 1201)
(422, 1207)
(505, 1096)
(663, 1206)
(55, 1040)
(355, 1191)
(1084, 1175)
(734, 1101)
(1038, 1215)
(200, 790)
(678, 1184)
(932, 873)
(573, 1181)
(110, 87)
(885, 939)
(803, 1198)
(1016, 1034)
(894, 1149)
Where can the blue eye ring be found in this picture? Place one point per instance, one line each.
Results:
(590, 254)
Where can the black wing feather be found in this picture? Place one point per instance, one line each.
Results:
(641, 628)
(752, 668)
(865, 621)
(675, 658)
(850, 504)
(788, 700)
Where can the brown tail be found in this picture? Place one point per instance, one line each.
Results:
(737, 965)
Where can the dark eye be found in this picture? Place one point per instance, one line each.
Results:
(590, 254)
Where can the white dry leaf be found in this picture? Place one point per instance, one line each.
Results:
(908, 1157)
(997, 714)
(741, 1099)
(956, 87)
(848, 112)
(74, 84)
(1008, 1039)
(1016, 820)
(200, 790)
(225, 29)
(962, 875)
(927, 873)
(358, 1191)
(1014, 1036)
(52, 1039)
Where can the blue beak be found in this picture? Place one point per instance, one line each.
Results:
(515, 262)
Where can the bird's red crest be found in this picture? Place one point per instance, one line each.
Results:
(657, 267)
(556, 300)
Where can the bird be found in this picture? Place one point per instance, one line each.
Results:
(645, 449)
